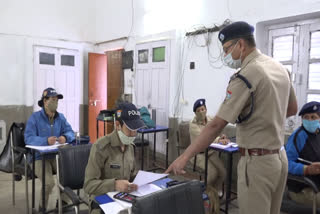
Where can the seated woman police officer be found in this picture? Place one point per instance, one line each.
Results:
(304, 143)
(111, 164)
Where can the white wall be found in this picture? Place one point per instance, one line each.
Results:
(24, 24)
(72, 23)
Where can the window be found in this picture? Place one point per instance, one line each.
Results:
(67, 60)
(46, 58)
(158, 54)
(297, 47)
(143, 56)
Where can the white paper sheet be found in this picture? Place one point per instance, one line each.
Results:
(221, 146)
(111, 208)
(146, 189)
(144, 177)
(42, 148)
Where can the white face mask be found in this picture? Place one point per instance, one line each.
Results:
(232, 63)
(125, 139)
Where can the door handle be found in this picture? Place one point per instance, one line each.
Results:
(94, 103)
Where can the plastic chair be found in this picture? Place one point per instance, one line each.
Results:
(71, 165)
(293, 207)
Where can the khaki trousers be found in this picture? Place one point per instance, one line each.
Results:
(261, 183)
(305, 197)
(51, 168)
(216, 170)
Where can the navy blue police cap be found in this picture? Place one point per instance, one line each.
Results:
(235, 30)
(310, 107)
(49, 92)
(198, 103)
(130, 115)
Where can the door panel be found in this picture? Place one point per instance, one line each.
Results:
(97, 92)
(152, 85)
(114, 81)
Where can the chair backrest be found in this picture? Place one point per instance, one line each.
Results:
(73, 161)
(183, 135)
(184, 198)
(17, 130)
(15, 137)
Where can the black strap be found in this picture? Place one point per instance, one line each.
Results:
(248, 84)
(295, 139)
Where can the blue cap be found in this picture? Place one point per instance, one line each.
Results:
(310, 107)
(129, 114)
(49, 92)
(198, 103)
(235, 30)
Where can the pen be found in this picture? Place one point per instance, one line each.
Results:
(304, 161)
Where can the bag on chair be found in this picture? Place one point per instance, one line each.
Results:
(17, 130)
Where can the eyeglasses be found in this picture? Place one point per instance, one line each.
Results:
(226, 49)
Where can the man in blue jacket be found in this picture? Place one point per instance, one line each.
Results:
(304, 143)
(48, 127)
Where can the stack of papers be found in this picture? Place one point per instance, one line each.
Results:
(43, 148)
(222, 146)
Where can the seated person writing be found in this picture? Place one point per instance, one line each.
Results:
(46, 127)
(111, 164)
(216, 170)
(304, 143)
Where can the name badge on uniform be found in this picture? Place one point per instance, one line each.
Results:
(115, 166)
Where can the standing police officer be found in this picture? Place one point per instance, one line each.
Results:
(259, 98)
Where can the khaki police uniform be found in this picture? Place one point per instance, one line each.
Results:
(261, 178)
(216, 170)
(106, 164)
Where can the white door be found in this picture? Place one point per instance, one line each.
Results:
(58, 68)
(152, 83)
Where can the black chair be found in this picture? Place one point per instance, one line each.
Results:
(185, 198)
(19, 163)
(292, 207)
(183, 141)
(71, 165)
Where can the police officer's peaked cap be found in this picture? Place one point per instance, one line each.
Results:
(310, 107)
(235, 30)
(198, 103)
(130, 115)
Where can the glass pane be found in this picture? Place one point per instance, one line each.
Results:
(158, 54)
(283, 48)
(288, 67)
(46, 58)
(314, 76)
(143, 56)
(67, 60)
(315, 45)
(313, 97)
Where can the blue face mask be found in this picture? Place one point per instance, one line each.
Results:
(311, 125)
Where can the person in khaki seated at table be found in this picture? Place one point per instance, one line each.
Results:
(216, 169)
(111, 164)
(46, 127)
(304, 143)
